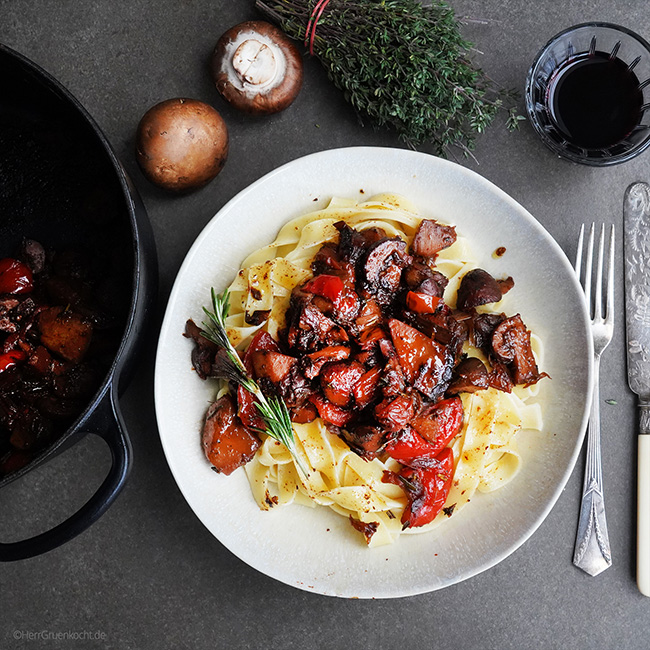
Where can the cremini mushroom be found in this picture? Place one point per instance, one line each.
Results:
(256, 68)
(181, 144)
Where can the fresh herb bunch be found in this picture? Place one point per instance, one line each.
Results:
(402, 65)
(273, 410)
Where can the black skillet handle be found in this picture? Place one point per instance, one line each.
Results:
(105, 421)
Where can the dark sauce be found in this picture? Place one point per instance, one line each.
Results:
(595, 100)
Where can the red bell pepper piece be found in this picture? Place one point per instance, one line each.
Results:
(248, 412)
(11, 359)
(338, 379)
(439, 423)
(272, 365)
(410, 448)
(331, 413)
(366, 389)
(423, 360)
(15, 277)
(314, 361)
(422, 303)
(427, 489)
(394, 414)
(327, 286)
(305, 413)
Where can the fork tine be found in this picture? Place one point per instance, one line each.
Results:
(589, 266)
(581, 243)
(609, 307)
(598, 297)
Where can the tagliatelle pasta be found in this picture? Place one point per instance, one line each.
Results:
(485, 450)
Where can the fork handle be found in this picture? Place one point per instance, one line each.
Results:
(643, 502)
(592, 553)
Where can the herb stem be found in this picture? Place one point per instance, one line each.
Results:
(273, 410)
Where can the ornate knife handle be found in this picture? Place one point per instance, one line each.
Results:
(592, 553)
(643, 501)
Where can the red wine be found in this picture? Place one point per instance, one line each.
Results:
(595, 100)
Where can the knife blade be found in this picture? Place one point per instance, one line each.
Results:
(636, 218)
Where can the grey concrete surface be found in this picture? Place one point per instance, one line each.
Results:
(148, 574)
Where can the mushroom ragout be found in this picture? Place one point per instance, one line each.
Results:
(61, 320)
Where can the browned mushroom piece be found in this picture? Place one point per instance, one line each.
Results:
(505, 285)
(511, 346)
(365, 439)
(431, 237)
(181, 144)
(203, 353)
(482, 327)
(65, 333)
(476, 288)
(469, 376)
(227, 443)
(382, 268)
(256, 68)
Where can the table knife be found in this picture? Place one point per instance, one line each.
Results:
(636, 216)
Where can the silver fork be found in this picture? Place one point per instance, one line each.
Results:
(592, 553)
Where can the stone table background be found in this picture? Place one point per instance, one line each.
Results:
(148, 574)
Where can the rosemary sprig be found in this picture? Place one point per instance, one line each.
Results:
(273, 410)
(401, 64)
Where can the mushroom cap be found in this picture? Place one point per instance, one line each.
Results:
(181, 144)
(256, 68)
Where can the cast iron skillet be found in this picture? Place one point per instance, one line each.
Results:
(61, 184)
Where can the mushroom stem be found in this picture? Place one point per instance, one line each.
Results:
(255, 63)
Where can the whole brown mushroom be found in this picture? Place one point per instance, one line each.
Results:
(181, 144)
(256, 68)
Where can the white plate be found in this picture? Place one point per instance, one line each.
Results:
(315, 549)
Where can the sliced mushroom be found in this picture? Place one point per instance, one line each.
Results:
(256, 68)
(203, 352)
(469, 376)
(476, 288)
(366, 439)
(382, 268)
(482, 328)
(421, 278)
(34, 254)
(511, 345)
(431, 237)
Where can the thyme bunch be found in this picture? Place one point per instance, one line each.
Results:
(273, 410)
(402, 65)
